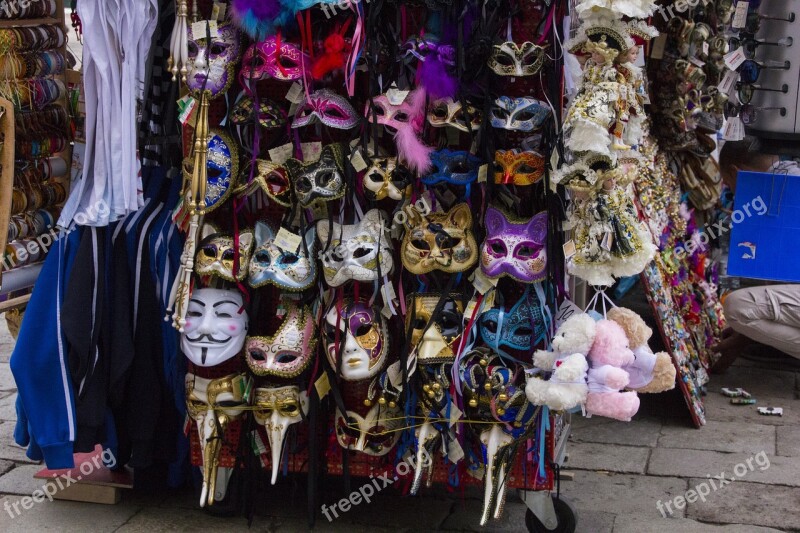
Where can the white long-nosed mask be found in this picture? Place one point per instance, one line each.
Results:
(276, 409)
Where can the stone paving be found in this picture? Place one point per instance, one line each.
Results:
(620, 472)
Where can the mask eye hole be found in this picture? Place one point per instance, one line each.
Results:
(192, 49)
(256, 354)
(289, 259)
(498, 247)
(504, 59)
(324, 178)
(210, 251)
(375, 178)
(291, 409)
(194, 314)
(361, 252)
(401, 116)
(499, 113)
(526, 250)
(525, 331)
(378, 110)
(449, 321)
(440, 112)
(287, 62)
(257, 62)
(446, 242)
(363, 329)
(524, 116)
(303, 185)
(420, 323)
(490, 325)
(218, 48)
(460, 167)
(335, 112)
(227, 255)
(285, 358)
(498, 167)
(330, 331)
(525, 168)
(213, 172)
(419, 244)
(262, 256)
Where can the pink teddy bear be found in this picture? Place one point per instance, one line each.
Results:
(609, 353)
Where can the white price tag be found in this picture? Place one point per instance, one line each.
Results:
(286, 240)
(481, 282)
(357, 160)
(295, 94)
(565, 311)
(697, 62)
(705, 48)
(281, 153)
(569, 249)
(740, 16)
(199, 29)
(396, 96)
(728, 82)
(734, 59)
(734, 129)
(483, 171)
(554, 158)
(311, 151)
(455, 414)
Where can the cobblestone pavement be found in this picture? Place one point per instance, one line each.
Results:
(622, 475)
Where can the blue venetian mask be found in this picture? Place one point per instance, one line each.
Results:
(520, 114)
(453, 167)
(222, 169)
(293, 270)
(518, 328)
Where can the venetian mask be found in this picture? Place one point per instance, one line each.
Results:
(211, 67)
(453, 167)
(437, 342)
(277, 408)
(215, 256)
(271, 178)
(213, 404)
(322, 179)
(288, 352)
(273, 58)
(365, 337)
(292, 270)
(222, 167)
(270, 114)
(361, 252)
(518, 328)
(386, 178)
(517, 168)
(520, 114)
(216, 325)
(374, 434)
(327, 107)
(509, 59)
(515, 249)
(446, 112)
(394, 116)
(439, 241)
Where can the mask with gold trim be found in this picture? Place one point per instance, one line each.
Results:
(212, 66)
(215, 254)
(365, 340)
(222, 168)
(271, 178)
(320, 180)
(375, 433)
(277, 408)
(292, 270)
(287, 353)
(439, 241)
(386, 178)
(437, 343)
(517, 168)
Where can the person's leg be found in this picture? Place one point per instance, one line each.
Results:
(768, 314)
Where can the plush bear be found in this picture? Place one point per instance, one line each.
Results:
(609, 353)
(566, 387)
(649, 372)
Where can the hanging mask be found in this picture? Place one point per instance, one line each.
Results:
(277, 408)
(423, 49)
(292, 270)
(386, 178)
(365, 337)
(519, 328)
(395, 116)
(374, 434)
(222, 167)
(439, 342)
(520, 114)
(404, 119)
(327, 107)
(287, 353)
(446, 112)
(271, 178)
(216, 252)
(216, 326)
(439, 241)
(322, 179)
(213, 65)
(517, 168)
(453, 167)
(213, 404)
(274, 58)
(361, 252)
(270, 116)
(508, 59)
(515, 249)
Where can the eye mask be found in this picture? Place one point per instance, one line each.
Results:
(514, 249)
(439, 241)
(292, 270)
(519, 114)
(327, 107)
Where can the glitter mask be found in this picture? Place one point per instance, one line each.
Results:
(422, 49)
(215, 254)
(392, 116)
(517, 168)
(271, 178)
(447, 113)
(374, 434)
(519, 328)
(222, 167)
(520, 114)
(271, 116)
(327, 107)
(288, 352)
(386, 178)
(453, 167)
(439, 241)
(366, 340)
(508, 59)
(438, 343)
(216, 326)
(223, 54)
(514, 249)
(318, 180)
(277, 408)
(274, 58)
(361, 252)
(292, 270)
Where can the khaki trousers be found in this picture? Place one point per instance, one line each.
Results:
(769, 314)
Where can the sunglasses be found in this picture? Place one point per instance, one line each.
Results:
(750, 70)
(750, 45)
(749, 113)
(753, 22)
(745, 91)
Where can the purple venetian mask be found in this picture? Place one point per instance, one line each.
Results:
(327, 107)
(213, 64)
(274, 58)
(364, 337)
(514, 249)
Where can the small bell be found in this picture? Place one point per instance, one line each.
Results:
(483, 362)
(393, 404)
(382, 400)
(431, 394)
(517, 424)
(503, 397)
(437, 387)
(501, 411)
(473, 402)
(367, 402)
(487, 386)
(426, 388)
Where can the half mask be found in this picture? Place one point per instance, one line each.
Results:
(365, 337)
(215, 254)
(327, 107)
(212, 66)
(277, 408)
(270, 114)
(520, 114)
(517, 168)
(374, 433)
(216, 326)
(273, 58)
(288, 352)
(453, 167)
(222, 168)
(446, 112)
(292, 270)
(386, 178)
(510, 59)
(439, 241)
(518, 328)
(515, 249)
(437, 343)
(271, 178)
(322, 179)
(361, 252)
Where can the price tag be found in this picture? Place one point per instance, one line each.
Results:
(657, 50)
(323, 385)
(734, 129)
(734, 59)
(396, 96)
(569, 249)
(566, 310)
(281, 153)
(455, 414)
(219, 9)
(470, 309)
(448, 197)
(319, 210)
(697, 62)
(482, 172)
(311, 151)
(740, 16)
(481, 282)
(705, 48)
(357, 160)
(608, 239)
(199, 29)
(728, 82)
(295, 94)
(395, 375)
(186, 107)
(554, 160)
(488, 299)
(287, 240)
